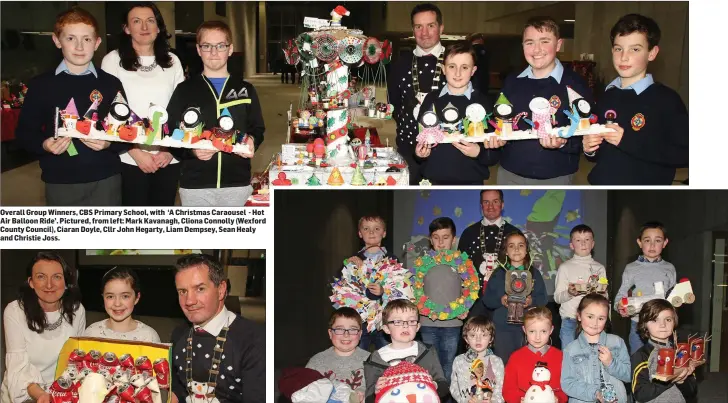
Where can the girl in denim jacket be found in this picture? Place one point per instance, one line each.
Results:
(596, 363)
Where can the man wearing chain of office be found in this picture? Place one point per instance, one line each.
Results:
(484, 240)
(220, 357)
(412, 77)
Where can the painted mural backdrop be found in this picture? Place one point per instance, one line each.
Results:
(545, 216)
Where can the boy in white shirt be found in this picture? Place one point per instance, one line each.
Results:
(578, 269)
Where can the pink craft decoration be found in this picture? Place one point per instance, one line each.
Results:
(431, 135)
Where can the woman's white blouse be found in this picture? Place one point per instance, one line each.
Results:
(31, 357)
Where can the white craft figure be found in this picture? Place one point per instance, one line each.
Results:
(634, 304)
(406, 383)
(337, 14)
(93, 389)
(541, 114)
(540, 391)
(199, 392)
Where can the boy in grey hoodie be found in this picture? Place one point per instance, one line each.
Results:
(643, 273)
(401, 321)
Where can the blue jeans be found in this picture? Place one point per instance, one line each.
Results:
(445, 340)
(635, 342)
(568, 328)
(376, 337)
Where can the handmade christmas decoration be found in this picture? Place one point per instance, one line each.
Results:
(592, 284)
(459, 263)
(305, 385)
(406, 383)
(582, 108)
(336, 15)
(519, 284)
(358, 178)
(350, 289)
(633, 304)
(482, 380)
(121, 124)
(681, 293)
(96, 377)
(540, 390)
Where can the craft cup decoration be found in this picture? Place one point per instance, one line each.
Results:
(458, 262)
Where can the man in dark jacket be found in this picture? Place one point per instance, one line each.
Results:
(210, 177)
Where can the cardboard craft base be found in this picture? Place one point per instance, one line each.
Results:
(522, 134)
(153, 351)
(142, 139)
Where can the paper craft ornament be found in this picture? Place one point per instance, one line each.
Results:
(540, 390)
(541, 116)
(335, 179)
(519, 285)
(313, 181)
(92, 110)
(70, 109)
(372, 50)
(325, 48)
(406, 383)
(351, 50)
(503, 112)
(305, 385)
(582, 107)
(350, 289)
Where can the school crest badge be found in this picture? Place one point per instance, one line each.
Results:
(555, 102)
(96, 96)
(638, 122)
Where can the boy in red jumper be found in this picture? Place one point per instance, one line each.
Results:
(537, 324)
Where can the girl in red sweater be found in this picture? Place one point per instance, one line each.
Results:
(537, 325)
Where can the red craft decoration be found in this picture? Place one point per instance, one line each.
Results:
(83, 126)
(682, 356)
(282, 180)
(127, 133)
(665, 361)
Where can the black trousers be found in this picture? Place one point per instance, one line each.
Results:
(143, 189)
(100, 193)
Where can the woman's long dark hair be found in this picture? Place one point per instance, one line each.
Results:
(129, 58)
(28, 299)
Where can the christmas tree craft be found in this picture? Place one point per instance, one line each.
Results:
(335, 179)
(358, 179)
(313, 181)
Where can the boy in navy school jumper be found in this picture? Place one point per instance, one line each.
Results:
(650, 118)
(77, 172)
(459, 163)
(551, 161)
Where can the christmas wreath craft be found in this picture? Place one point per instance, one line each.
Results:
(350, 289)
(372, 50)
(304, 43)
(458, 262)
(325, 48)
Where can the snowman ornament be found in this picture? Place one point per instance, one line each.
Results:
(540, 391)
(406, 383)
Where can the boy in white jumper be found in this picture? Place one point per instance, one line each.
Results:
(578, 269)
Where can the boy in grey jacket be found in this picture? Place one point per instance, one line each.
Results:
(643, 273)
(401, 321)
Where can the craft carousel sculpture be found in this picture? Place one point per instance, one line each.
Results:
(321, 148)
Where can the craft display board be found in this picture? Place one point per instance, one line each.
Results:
(143, 139)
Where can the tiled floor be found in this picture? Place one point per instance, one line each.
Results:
(22, 186)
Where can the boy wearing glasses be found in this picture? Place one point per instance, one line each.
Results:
(208, 177)
(400, 320)
(344, 360)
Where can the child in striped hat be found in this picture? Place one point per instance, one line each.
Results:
(406, 383)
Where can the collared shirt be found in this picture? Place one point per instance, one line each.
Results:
(638, 87)
(215, 325)
(498, 222)
(643, 259)
(541, 350)
(556, 73)
(63, 67)
(436, 51)
(467, 93)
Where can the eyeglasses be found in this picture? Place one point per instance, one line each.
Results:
(341, 331)
(206, 47)
(411, 359)
(399, 323)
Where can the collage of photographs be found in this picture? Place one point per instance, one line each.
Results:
(358, 202)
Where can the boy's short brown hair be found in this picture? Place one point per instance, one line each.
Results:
(649, 312)
(75, 15)
(458, 48)
(581, 229)
(653, 225)
(539, 312)
(371, 218)
(215, 25)
(345, 312)
(398, 305)
(542, 24)
(480, 323)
